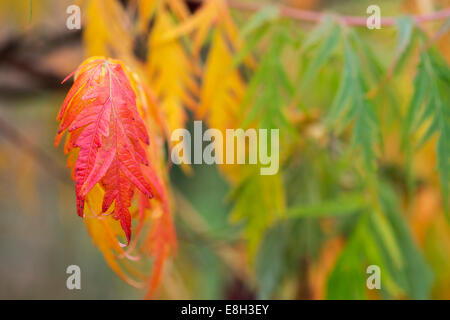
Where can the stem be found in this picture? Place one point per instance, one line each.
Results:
(314, 16)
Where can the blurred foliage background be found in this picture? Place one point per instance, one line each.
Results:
(340, 211)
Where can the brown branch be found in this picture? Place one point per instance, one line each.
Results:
(22, 54)
(314, 16)
(47, 162)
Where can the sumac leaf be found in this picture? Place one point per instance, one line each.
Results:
(103, 124)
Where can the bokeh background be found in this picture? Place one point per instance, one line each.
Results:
(40, 233)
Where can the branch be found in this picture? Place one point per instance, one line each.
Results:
(37, 153)
(23, 55)
(314, 16)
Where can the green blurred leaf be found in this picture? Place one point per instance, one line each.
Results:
(259, 201)
(415, 270)
(324, 52)
(430, 103)
(317, 33)
(351, 104)
(387, 237)
(343, 205)
(348, 279)
(405, 27)
(270, 263)
(266, 15)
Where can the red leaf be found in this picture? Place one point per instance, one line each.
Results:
(163, 244)
(101, 117)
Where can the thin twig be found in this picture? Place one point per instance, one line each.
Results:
(314, 16)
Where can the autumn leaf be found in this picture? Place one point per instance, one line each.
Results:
(172, 73)
(154, 234)
(103, 123)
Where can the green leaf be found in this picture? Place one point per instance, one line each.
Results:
(343, 205)
(430, 102)
(416, 273)
(405, 27)
(324, 52)
(264, 16)
(348, 278)
(443, 156)
(387, 237)
(270, 264)
(251, 42)
(381, 239)
(270, 90)
(317, 33)
(420, 88)
(259, 201)
(432, 129)
(351, 104)
(339, 105)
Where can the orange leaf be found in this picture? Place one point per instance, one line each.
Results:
(103, 122)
